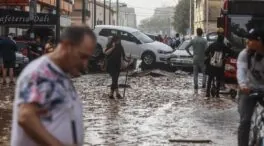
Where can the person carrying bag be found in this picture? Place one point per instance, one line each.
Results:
(114, 62)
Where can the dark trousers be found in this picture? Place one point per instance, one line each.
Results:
(246, 106)
(209, 84)
(115, 76)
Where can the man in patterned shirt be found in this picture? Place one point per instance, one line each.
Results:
(47, 110)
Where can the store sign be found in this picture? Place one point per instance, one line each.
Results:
(14, 2)
(8, 17)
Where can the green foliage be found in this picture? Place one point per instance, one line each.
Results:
(182, 16)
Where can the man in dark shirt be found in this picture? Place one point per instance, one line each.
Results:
(9, 48)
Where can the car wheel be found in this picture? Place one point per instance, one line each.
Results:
(148, 59)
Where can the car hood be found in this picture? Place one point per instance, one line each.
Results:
(158, 46)
(180, 53)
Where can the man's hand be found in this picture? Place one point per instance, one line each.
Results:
(245, 89)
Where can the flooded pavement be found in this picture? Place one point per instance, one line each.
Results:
(155, 111)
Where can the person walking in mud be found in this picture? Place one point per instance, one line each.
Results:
(199, 45)
(115, 55)
(215, 62)
(47, 110)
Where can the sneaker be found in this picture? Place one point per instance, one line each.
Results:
(119, 96)
(111, 96)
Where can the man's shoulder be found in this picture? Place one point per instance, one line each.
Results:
(243, 54)
(34, 69)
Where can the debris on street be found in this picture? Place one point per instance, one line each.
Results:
(156, 111)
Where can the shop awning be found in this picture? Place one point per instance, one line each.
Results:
(14, 2)
(12, 17)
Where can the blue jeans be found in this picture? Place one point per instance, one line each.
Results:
(196, 67)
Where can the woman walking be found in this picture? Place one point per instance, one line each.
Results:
(114, 55)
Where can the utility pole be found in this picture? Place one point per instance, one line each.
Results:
(58, 20)
(169, 27)
(117, 12)
(104, 12)
(84, 6)
(207, 16)
(110, 11)
(190, 17)
(94, 13)
(32, 14)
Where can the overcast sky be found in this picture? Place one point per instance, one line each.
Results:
(145, 8)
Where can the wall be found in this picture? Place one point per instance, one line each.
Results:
(77, 14)
(200, 14)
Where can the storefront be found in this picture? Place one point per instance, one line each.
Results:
(18, 23)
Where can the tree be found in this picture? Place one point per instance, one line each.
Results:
(182, 16)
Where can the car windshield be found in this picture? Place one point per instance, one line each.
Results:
(142, 37)
(183, 46)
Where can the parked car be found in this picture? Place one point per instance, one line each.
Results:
(180, 57)
(21, 62)
(136, 44)
(152, 36)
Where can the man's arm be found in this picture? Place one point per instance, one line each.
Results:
(29, 120)
(187, 48)
(32, 104)
(242, 68)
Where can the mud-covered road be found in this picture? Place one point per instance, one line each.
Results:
(154, 111)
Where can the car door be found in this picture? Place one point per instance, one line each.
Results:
(130, 45)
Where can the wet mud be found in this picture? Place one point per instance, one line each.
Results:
(156, 110)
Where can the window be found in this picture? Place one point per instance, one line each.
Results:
(239, 26)
(142, 37)
(127, 37)
(108, 32)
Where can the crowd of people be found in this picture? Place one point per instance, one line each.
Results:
(173, 42)
(250, 71)
(47, 110)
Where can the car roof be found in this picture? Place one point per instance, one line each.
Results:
(122, 28)
(151, 34)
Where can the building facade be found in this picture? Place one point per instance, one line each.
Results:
(200, 17)
(110, 14)
(14, 17)
(166, 13)
(126, 15)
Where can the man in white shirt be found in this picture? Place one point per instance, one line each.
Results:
(250, 76)
(47, 110)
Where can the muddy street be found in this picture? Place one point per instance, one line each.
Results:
(155, 112)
